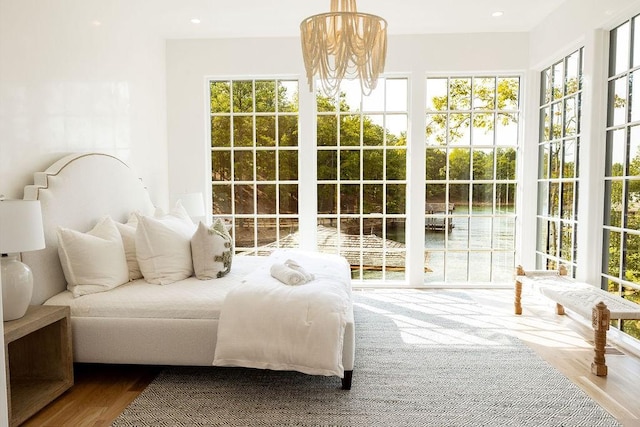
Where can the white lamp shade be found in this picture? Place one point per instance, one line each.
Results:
(193, 203)
(20, 226)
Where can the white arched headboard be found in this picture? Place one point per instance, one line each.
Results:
(74, 193)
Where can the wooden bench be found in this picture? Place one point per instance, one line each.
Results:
(586, 300)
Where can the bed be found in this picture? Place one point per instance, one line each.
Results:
(179, 323)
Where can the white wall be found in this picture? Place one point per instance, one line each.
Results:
(68, 84)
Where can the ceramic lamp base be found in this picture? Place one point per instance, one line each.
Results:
(17, 288)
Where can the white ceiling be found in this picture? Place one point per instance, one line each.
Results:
(273, 18)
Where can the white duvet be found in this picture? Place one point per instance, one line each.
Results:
(269, 325)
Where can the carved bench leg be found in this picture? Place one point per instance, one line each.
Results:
(346, 381)
(559, 309)
(600, 318)
(518, 291)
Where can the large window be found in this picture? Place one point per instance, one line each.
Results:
(472, 138)
(254, 161)
(558, 148)
(361, 178)
(621, 248)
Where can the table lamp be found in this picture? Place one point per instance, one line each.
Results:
(20, 231)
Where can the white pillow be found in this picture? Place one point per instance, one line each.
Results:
(94, 261)
(128, 234)
(163, 247)
(211, 250)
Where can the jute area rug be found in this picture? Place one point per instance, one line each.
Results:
(423, 358)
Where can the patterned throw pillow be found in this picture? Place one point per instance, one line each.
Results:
(212, 251)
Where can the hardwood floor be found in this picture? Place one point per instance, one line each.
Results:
(102, 392)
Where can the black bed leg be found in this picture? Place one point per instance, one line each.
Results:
(346, 381)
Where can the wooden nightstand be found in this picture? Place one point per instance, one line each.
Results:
(39, 360)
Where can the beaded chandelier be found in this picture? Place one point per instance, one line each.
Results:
(344, 44)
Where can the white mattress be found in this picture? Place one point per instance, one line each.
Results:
(187, 299)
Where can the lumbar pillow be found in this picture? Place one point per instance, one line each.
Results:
(94, 261)
(212, 250)
(128, 234)
(163, 248)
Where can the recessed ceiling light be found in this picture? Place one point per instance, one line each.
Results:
(195, 21)
(96, 23)
(497, 13)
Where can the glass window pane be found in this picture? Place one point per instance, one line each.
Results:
(221, 166)
(327, 131)
(461, 262)
(243, 131)
(459, 94)
(554, 199)
(219, 94)
(459, 198)
(556, 120)
(615, 157)
(243, 165)
(327, 164)
(397, 95)
(568, 200)
(481, 262)
(482, 201)
(634, 151)
(288, 198)
(555, 153)
(459, 164)
(372, 198)
(483, 164)
(612, 242)
(507, 129)
(508, 93)
(265, 96)
(504, 229)
(350, 130)
(436, 162)
(244, 232)
(436, 193)
(459, 236)
(484, 91)
(288, 96)
(558, 80)
(506, 163)
(437, 94)
(267, 231)
(243, 198)
(566, 242)
(569, 163)
(374, 130)
(372, 164)
(618, 101)
(546, 88)
(288, 131)
(574, 73)
(220, 131)
(542, 235)
(266, 165)
(288, 165)
(221, 199)
(633, 204)
(543, 198)
(570, 117)
(396, 199)
(480, 232)
(503, 264)
(545, 124)
(482, 131)
(349, 165)
(350, 198)
(265, 131)
(460, 129)
(505, 198)
(242, 96)
(436, 129)
(396, 164)
(620, 48)
(266, 198)
(434, 270)
(327, 199)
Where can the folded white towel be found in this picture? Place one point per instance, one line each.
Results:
(290, 273)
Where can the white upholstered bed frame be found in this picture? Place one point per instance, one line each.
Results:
(74, 192)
